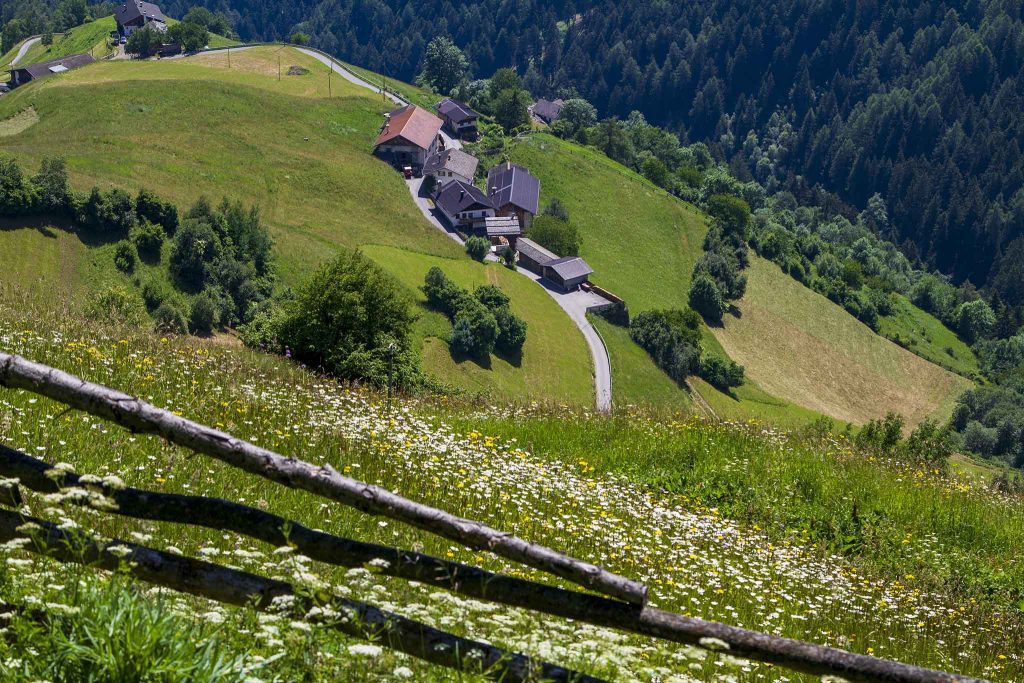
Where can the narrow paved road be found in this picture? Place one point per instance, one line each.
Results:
(573, 303)
(24, 48)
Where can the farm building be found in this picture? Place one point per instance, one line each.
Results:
(514, 192)
(546, 110)
(463, 205)
(568, 272)
(135, 14)
(31, 72)
(499, 227)
(449, 165)
(459, 118)
(409, 135)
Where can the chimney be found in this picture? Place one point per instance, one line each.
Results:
(509, 164)
(462, 193)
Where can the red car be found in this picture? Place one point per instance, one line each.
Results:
(407, 172)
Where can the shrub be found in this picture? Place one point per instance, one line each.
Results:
(149, 207)
(169, 317)
(555, 234)
(491, 297)
(149, 239)
(474, 330)
(556, 209)
(705, 298)
(731, 214)
(204, 315)
(442, 294)
(196, 247)
(508, 258)
(974, 320)
(125, 257)
(721, 373)
(262, 331)
(17, 194)
(980, 439)
(118, 305)
(345, 318)
(671, 338)
(154, 292)
(511, 331)
(478, 247)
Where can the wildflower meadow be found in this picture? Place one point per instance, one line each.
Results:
(702, 542)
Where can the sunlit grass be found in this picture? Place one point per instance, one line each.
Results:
(722, 522)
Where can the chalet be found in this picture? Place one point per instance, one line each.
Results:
(31, 72)
(514, 192)
(458, 118)
(568, 272)
(409, 135)
(135, 14)
(463, 205)
(546, 110)
(449, 165)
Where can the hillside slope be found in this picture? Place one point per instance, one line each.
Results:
(800, 346)
(194, 126)
(643, 244)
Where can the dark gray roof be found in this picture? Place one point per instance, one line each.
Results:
(454, 160)
(458, 196)
(535, 252)
(569, 267)
(456, 111)
(547, 109)
(40, 69)
(509, 183)
(498, 226)
(133, 9)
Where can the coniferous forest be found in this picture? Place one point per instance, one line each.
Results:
(919, 102)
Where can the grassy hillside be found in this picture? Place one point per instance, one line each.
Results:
(924, 335)
(796, 344)
(195, 126)
(555, 363)
(641, 242)
(749, 527)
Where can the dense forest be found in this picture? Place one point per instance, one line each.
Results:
(919, 102)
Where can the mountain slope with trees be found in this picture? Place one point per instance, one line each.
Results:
(917, 102)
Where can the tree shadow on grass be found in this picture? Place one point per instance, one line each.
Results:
(46, 226)
(484, 363)
(513, 358)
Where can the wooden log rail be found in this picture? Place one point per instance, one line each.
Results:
(139, 416)
(236, 587)
(460, 578)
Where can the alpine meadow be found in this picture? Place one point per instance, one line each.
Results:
(515, 341)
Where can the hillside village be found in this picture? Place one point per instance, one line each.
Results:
(801, 453)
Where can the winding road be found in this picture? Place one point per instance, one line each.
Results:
(25, 47)
(575, 304)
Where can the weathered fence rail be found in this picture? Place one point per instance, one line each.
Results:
(237, 587)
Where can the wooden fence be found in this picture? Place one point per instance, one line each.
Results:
(620, 605)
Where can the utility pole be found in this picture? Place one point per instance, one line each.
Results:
(391, 370)
(229, 57)
(330, 70)
(278, 65)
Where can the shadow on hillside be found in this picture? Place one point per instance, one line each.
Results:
(460, 358)
(514, 359)
(48, 225)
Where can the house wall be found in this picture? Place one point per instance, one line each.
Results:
(531, 265)
(444, 177)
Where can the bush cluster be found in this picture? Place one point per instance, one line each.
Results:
(482, 321)
(672, 338)
(929, 442)
(718, 275)
(350, 318)
(990, 420)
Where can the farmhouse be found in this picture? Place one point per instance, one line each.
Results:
(568, 272)
(24, 74)
(458, 118)
(409, 135)
(463, 205)
(514, 192)
(547, 111)
(135, 14)
(449, 165)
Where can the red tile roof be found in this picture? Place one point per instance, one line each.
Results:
(411, 123)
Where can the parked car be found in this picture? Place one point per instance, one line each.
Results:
(4, 87)
(407, 172)
(124, 40)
